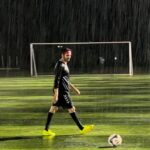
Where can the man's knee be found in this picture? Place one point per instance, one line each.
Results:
(53, 109)
(71, 110)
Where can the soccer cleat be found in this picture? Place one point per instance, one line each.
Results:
(86, 129)
(49, 133)
(48, 137)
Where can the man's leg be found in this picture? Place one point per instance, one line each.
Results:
(84, 129)
(51, 112)
(75, 118)
(49, 118)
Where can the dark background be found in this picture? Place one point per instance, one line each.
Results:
(26, 21)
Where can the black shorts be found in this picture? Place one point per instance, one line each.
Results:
(64, 101)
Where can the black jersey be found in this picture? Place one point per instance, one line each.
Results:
(62, 78)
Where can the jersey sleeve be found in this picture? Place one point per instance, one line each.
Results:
(58, 73)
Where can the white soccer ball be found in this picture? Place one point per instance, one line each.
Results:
(115, 140)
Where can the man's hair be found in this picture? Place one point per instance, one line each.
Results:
(64, 50)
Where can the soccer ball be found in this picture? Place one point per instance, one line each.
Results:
(115, 140)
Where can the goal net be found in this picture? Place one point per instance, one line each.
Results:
(88, 57)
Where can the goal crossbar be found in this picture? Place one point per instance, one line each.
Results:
(82, 43)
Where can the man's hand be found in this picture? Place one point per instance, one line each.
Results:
(76, 90)
(55, 97)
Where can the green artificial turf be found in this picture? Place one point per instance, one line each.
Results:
(113, 103)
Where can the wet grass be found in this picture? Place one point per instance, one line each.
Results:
(114, 103)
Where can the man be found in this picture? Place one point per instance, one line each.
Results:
(62, 87)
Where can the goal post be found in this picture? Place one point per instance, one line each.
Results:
(33, 70)
(33, 66)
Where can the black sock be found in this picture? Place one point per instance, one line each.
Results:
(76, 120)
(49, 118)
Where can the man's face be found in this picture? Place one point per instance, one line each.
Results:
(66, 57)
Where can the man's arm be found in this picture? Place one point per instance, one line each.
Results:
(76, 90)
(58, 72)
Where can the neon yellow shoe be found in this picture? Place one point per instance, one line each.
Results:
(49, 133)
(48, 137)
(87, 129)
